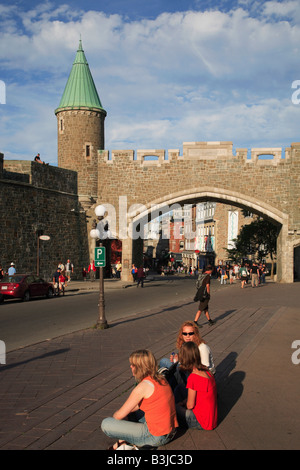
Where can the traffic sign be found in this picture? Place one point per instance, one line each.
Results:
(100, 257)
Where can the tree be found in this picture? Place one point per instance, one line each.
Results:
(258, 238)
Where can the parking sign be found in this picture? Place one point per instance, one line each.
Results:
(100, 257)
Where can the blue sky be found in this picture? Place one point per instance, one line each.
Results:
(166, 71)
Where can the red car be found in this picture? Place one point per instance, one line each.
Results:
(24, 286)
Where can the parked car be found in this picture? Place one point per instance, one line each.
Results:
(24, 286)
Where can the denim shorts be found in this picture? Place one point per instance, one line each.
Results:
(186, 418)
(134, 433)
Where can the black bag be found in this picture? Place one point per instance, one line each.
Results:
(201, 293)
(197, 296)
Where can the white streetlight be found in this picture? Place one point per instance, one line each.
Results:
(98, 232)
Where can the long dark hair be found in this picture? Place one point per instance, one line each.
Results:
(189, 357)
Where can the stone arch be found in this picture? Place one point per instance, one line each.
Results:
(285, 253)
(296, 259)
(213, 194)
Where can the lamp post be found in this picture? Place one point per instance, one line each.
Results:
(40, 236)
(98, 232)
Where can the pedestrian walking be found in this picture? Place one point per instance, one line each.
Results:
(69, 269)
(55, 280)
(223, 275)
(134, 272)
(254, 275)
(263, 273)
(140, 276)
(92, 271)
(119, 269)
(204, 301)
(243, 273)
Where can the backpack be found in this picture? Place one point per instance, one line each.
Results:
(201, 290)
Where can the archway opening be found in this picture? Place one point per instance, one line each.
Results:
(234, 205)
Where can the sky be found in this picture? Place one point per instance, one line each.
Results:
(167, 72)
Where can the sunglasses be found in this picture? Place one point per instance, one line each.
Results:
(188, 334)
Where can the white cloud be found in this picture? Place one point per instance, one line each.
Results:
(282, 9)
(182, 76)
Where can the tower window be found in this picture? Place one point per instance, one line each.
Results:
(87, 150)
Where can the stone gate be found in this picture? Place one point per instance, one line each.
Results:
(133, 185)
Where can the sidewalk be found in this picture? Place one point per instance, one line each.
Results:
(54, 395)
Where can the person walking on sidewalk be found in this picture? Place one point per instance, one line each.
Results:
(203, 305)
(140, 276)
(254, 275)
(243, 272)
(92, 271)
(150, 408)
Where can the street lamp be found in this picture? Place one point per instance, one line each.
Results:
(40, 236)
(99, 232)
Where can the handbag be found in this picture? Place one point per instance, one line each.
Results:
(225, 276)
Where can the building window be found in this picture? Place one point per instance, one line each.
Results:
(61, 125)
(87, 150)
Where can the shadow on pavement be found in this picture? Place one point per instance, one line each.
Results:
(52, 353)
(229, 385)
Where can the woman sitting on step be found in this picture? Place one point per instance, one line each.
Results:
(148, 416)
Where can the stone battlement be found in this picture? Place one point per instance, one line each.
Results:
(203, 151)
(37, 175)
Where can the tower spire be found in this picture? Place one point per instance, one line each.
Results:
(80, 91)
(80, 128)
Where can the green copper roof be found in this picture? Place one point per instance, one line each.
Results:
(80, 90)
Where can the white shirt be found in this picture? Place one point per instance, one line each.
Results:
(207, 357)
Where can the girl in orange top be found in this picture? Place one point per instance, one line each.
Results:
(150, 408)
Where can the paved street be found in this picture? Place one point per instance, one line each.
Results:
(54, 394)
(26, 323)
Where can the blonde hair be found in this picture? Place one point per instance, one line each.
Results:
(197, 338)
(145, 365)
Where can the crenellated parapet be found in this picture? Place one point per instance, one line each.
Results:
(208, 151)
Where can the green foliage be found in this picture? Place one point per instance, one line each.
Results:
(258, 238)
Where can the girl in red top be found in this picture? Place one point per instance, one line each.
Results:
(200, 409)
(150, 408)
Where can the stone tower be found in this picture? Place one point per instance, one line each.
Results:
(80, 128)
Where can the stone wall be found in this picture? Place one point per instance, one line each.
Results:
(80, 135)
(208, 171)
(48, 202)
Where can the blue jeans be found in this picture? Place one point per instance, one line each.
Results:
(134, 432)
(165, 362)
(177, 381)
(186, 418)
